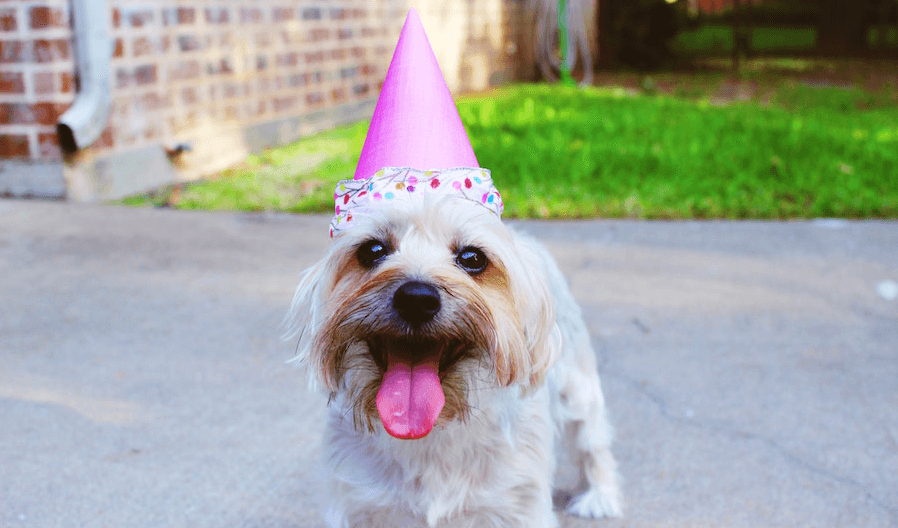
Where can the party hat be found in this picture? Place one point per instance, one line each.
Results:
(415, 122)
(416, 144)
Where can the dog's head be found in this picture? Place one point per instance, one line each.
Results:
(415, 309)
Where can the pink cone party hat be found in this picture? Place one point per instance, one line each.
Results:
(415, 123)
(416, 143)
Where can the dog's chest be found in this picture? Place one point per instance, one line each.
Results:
(458, 468)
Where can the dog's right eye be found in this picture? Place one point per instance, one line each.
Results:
(371, 252)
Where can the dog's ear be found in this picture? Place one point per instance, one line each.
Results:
(304, 319)
(538, 341)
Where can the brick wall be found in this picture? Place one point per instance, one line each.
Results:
(229, 78)
(36, 77)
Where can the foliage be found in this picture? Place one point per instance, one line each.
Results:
(710, 38)
(570, 153)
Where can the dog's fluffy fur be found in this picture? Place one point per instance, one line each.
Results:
(524, 416)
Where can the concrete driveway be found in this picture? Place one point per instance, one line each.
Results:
(751, 369)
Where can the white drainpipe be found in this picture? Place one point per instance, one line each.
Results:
(83, 123)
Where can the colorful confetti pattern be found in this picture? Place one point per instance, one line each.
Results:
(391, 186)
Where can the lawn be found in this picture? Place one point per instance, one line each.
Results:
(560, 152)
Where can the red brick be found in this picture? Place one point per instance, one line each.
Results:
(190, 43)
(67, 82)
(141, 18)
(338, 94)
(12, 82)
(119, 49)
(250, 15)
(232, 90)
(360, 90)
(311, 13)
(317, 35)
(13, 145)
(186, 15)
(49, 146)
(280, 14)
(145, 74)
(296, 80)
(44, 83)
(12, 51)
(51, 50)
(223, 66)
(217, 15)
(287, 59)
(46, 17)
(122, 77)
(142, 46)
(15, 113)
(27, 114)
(8, 20)
(48, 113)
(189, 95)
(314, 98)
(116, 17)
(282, 104)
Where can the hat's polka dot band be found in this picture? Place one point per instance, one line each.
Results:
(391, 185)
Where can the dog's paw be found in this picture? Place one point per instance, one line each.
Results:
(594, 504)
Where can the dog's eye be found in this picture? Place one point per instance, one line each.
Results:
(371, 252)
(471, 260)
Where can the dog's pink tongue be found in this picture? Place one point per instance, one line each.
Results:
(410, 397)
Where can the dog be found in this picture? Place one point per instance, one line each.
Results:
(463, 386)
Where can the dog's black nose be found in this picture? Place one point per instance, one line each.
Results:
(416, 302)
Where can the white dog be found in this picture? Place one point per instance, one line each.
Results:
(464, 389)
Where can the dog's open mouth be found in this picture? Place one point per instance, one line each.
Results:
(411, 395)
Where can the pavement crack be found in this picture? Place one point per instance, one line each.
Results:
(664, 410)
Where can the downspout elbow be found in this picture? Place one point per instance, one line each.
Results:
(85, 120)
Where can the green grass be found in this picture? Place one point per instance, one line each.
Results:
(298, 177)
(569, 153)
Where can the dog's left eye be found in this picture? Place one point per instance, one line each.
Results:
(471, 260)
(371, 252)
